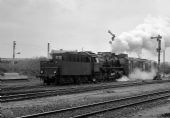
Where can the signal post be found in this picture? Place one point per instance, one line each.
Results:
(159, 53)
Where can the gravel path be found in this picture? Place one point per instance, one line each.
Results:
(21, 83)
(20, 108)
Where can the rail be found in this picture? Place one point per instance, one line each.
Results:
(92, 109)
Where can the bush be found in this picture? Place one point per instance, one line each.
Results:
(24, 66)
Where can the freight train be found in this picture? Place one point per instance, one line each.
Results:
(79, 67)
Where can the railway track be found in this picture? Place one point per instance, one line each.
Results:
(38, 94)
(102, 107)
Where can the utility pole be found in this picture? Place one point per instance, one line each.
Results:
(13, 57)
(159, 52)
(164, 63)
(48, 50)
(14, 46)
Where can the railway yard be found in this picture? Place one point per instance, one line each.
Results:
(142, 98)
(84, 59)
(83, 84)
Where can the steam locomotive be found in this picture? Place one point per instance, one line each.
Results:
(79, 67)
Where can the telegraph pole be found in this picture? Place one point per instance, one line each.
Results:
(164, 63)
(48, 50)
(159, 53)
(14, 47)
(13, 57)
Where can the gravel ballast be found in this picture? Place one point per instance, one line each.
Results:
(20, 108)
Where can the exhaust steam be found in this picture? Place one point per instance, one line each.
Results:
(137, 74)
(139, 39)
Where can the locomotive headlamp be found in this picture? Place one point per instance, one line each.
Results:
(55, 72)
(41, 71)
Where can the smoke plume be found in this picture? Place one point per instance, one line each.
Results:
(140, 38)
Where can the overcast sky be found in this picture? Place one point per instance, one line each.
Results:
(70, 24)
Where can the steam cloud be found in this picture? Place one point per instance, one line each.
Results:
(137, 74)
(124, 78)
(143, 75)
(140, 38)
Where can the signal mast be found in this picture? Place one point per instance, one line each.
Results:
(113, 38)
(159, 52)
(113, 35)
